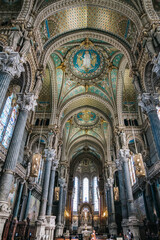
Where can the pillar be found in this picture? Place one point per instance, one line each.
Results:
(112, 221)
(28, 203)
(133, 223)
(51, 187)
(60, 226)
(122, 193)
(148, 104)
(155, 200)
(41, 223)
(50, 154)
(11, 66)
(26, 102)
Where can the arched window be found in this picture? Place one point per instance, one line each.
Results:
(75, 199)
(85, 190)
(95, 194)
(132, 171)
(8, 121)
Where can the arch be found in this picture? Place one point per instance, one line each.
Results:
(78, 109)
(148, 77)
(88, 139)
(34, 138)
(86, 96)
(120, 7)
(151, 13)
(83, 33)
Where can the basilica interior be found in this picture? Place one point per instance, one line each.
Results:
(79, 119)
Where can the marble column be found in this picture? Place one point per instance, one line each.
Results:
(148, 104)
(27, 103)
(133, 223)
(51, 187)
(16, 209)
(28, 203)
(112, 223)
(11, 65)
(50, 154)
(41, 223)
(122, 193)
(60, 226)
(155, 200)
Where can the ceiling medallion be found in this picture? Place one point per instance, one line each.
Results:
(85, 62)
(86, 118)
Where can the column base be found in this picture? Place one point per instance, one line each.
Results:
(50, 226)
(113, 228)
(59, 230)
(133, 225)
(125, 225)
(40, 229)
(4, 215)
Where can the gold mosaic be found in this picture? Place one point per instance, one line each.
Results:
(88, 17)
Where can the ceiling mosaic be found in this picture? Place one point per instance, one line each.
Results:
(88, 17)
(129, 93)
(45, 96)
(86, 118)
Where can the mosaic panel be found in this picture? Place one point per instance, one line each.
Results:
(129, 94)
(88, 17)
(45, 96)
(59, 74)
(74, 92)
(56, 59)
(117, 59)
(86, 118)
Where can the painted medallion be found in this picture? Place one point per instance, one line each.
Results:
(86, 118)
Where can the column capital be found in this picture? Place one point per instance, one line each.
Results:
(11, 63)
(124, 154)
(50, 154)
(55, 164)
(119, 164)
(27, 101)
(148, 102)
(110, 182)
(62, 182)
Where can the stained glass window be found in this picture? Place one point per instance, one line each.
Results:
(39, 178)
(85, 190)
(75, 200)
(132, 171)
(7, 121)
(95, 194)
(5, 116)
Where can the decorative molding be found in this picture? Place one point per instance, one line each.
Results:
(148, 5)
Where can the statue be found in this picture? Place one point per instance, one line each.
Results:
(38, 85)
(123, 139)
(26, 44)
(136, 82)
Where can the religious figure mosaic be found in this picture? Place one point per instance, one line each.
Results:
(86, 63)
(86, 118)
